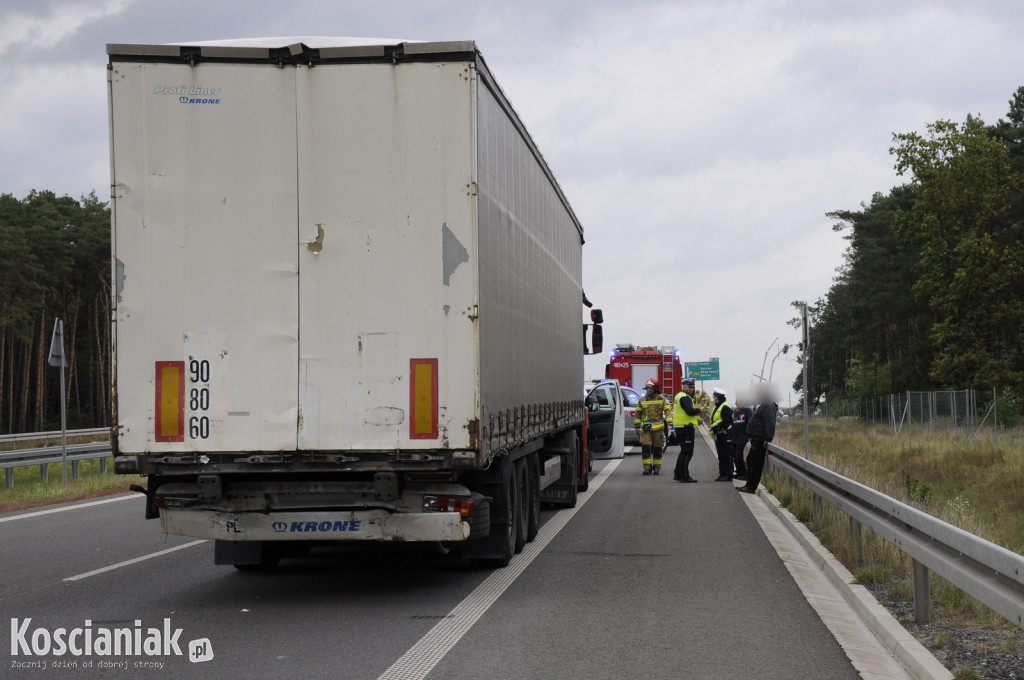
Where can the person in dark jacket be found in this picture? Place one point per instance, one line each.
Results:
(740, 417)
(761, 431)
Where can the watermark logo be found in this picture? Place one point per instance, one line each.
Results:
(200, 650)
(71, 646)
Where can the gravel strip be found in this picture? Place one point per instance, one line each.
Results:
(995, 653)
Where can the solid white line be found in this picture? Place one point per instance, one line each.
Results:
(432, 647)
(71, 507)
(135, 560)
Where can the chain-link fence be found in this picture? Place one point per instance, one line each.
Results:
(919, 412)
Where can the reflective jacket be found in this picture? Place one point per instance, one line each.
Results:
(685, 413)
(721, 418)
(651, 413)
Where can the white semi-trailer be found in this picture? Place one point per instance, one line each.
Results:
(348, 300)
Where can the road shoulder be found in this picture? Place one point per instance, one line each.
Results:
(876, 643)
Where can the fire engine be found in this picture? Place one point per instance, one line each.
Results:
(632, 366)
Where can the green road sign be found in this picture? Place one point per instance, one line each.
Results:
(703, 370)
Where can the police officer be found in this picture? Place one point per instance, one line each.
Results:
(721, 421)
(651, 420)
(685, 418)
(740, 417)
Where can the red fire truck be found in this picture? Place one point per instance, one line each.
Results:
(633, 365)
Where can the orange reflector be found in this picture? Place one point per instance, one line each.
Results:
(423, 398)
(170, 401)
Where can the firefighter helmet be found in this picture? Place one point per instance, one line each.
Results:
(651, 382)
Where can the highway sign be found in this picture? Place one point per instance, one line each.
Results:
(703, 370)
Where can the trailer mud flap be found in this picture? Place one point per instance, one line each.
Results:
(365, 525)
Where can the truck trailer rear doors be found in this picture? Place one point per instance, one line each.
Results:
(387, 354)
(205, 216)
(296, 256)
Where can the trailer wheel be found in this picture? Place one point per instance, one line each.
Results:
(584, 480)
(522, 508)
(499, 547)
(480, 524)
(533, 519)
(575, 464)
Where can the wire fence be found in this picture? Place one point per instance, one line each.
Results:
(945, 411)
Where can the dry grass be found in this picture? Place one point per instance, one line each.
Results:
(978, 487)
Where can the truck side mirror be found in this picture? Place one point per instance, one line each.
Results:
(596, 344)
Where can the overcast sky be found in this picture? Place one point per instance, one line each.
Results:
(700, 142)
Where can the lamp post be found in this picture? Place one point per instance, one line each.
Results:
(806, 347)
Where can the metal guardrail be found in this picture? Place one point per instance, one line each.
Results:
(21, 455)
(990, 573)
(17, 439)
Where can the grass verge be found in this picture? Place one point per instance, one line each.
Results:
(29, 491)
(977, 486)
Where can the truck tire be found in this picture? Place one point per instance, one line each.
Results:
(533, 518)
(574, 474)
(499, 547)
(480, 523)
(522, 507)
(584, 481)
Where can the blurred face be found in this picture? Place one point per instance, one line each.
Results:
(689, 389)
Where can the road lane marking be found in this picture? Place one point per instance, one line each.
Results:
(71, 507)
(423, 656)
(134, 560)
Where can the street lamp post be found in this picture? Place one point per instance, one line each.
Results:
(806, 347)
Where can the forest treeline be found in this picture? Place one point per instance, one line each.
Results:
(55, 255)
(930, 296)
(931, 293)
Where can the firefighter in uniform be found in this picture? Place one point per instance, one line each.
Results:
(721, 422)
(651, 425)
(702, 401)
(685, 418)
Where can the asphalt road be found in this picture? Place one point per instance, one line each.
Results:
(646, 578)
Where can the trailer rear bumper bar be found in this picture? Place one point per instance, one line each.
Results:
(361, 525)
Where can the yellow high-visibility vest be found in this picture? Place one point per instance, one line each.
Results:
(716, 416)
(681, 418)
